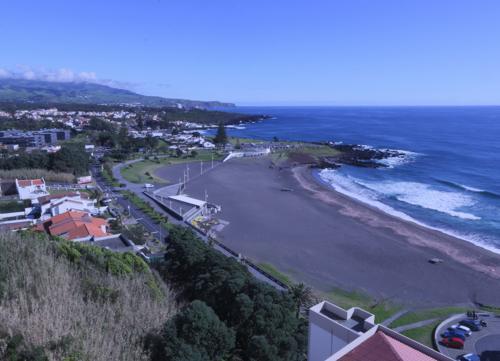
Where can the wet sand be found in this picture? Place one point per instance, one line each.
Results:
(328, 240)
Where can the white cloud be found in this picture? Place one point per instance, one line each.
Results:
(62, 75)
(5, 73)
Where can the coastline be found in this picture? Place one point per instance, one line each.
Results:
(459, 249)
(330, 241)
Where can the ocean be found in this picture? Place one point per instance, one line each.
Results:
(449, 178)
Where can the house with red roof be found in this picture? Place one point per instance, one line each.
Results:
(336, 334)
(31, 188)
(76, 226)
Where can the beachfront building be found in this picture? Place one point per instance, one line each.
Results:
(187, 207)
(253, 153)
(352, 335)
(31, 188)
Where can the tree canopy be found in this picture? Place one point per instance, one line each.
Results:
(221, 136)
(264, 319)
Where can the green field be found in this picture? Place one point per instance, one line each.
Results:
(143, 171)
(423, 334)
(416, 316)
(269, 268)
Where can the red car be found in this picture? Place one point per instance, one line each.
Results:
(452, 342)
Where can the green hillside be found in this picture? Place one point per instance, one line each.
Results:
(21, 90)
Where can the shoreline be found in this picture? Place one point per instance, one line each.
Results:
(404, 217)
(376, 217)
(330, 241)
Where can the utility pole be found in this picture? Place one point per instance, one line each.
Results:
(201, 167)
(212, 160)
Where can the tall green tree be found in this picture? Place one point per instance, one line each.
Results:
(302, 296)
(221, 136)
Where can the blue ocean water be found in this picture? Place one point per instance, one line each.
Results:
(449, 178)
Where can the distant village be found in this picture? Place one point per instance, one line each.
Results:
(85, 210)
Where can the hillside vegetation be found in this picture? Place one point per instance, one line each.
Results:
(231, 315)
(22, 90)
(67, 301)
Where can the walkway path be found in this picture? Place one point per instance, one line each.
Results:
(411, 326)
(394, 317)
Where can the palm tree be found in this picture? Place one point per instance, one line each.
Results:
(302, 295)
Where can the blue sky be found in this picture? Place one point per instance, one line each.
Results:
(274, 52)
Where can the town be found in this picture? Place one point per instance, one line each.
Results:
(89, 177)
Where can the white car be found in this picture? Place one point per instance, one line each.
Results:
(465, 329)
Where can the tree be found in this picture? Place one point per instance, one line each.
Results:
(194, 334)
(275, 139)
(221, 136)
(302, 296)
(259, 314)
(72, 158)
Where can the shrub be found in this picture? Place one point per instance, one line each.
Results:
(62, 310)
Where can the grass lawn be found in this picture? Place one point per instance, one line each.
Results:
(319, 151)
(143, 171)
(416, 316)
(269, 268)
(423, 334)
(345, 299)
(313, 152)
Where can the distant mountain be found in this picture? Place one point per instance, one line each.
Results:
(36, 91)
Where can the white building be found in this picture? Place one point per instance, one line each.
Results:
(31, 188)
(53, 205)
(352, 335)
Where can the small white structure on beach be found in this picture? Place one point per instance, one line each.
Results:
(187, 207)
(259, 152)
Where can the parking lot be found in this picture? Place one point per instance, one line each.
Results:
(485, 342)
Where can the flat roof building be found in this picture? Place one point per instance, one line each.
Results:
(352, 335)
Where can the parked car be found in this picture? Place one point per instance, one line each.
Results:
(466, 330)
(453, 342)
(454, 333)
(474, 325)
(469, 357)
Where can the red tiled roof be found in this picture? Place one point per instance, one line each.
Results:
(73, 224)
(381, 346)
(28, 182)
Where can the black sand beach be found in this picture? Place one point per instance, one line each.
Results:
(328, 240)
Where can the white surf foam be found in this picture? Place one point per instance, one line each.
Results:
(353, 188)
(405, 157)
(349, 186)
(472, 189)
(423, 195)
